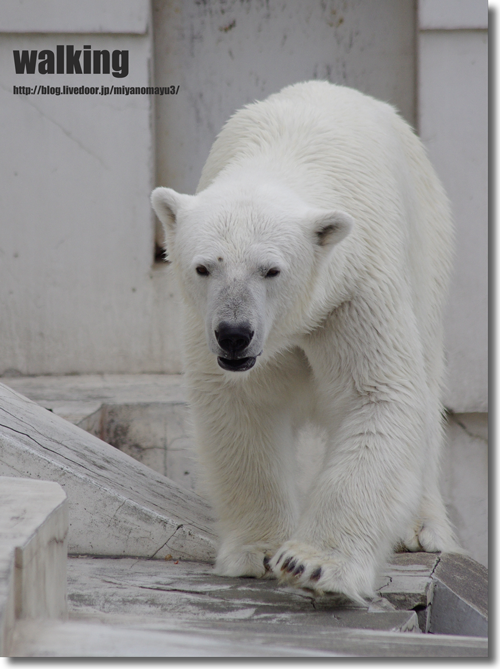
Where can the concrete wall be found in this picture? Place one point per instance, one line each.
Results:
(453, 123)
(452, 120)
(77, 290)
(225, 54)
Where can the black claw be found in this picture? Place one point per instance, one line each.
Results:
(279, 559)
(267, 566)
(292, 565)
(316, 575)
(299, 570)
(286, 563)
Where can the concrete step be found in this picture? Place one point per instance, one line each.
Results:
(73, 639)
(33, 547)
(49, 639)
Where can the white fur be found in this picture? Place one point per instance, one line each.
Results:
(333, 189)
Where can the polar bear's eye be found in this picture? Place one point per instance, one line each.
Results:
(202, 270)
(274, 271)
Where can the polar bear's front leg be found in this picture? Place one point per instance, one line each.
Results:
(246, 456)
(364, 496)
(374, 400)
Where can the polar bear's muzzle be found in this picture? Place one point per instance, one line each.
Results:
(234, 340)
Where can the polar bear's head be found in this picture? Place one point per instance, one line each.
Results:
(244, 255)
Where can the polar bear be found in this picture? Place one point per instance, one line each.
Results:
(312, 263)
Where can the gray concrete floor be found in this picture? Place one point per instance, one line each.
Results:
(130, 607)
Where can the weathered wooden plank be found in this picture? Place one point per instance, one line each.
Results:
(117, 506)
(144, 415)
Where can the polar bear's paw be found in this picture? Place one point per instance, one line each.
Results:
(304, 566)
(432, 536)
(249, 560)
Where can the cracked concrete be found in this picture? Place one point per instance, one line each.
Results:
(179, 527)
(188, 593)
(127, 607)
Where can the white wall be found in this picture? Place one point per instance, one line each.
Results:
(77, 291)
(453, 123)
(225, 54)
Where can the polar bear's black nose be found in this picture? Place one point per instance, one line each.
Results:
(233, 339)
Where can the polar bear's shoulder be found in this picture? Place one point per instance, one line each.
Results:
(312, 111)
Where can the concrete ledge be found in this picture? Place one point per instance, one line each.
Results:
(448, 591)
(460, 603)
(117, 506)
(33, 549)
(75, 639)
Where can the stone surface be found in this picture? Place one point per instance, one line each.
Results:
(189, 594)
(77, 285)
(409, 584)
(147, 608)
(154, 433)
(452, 14)
(90, 640)
(33, 547)
(461, 599)
(70, 16)
(87, 392)
(117, 506)
(87, 640)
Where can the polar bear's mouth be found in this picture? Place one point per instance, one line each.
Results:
(239, 365)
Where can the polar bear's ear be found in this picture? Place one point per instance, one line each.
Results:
(331, 227)
(167, 203)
